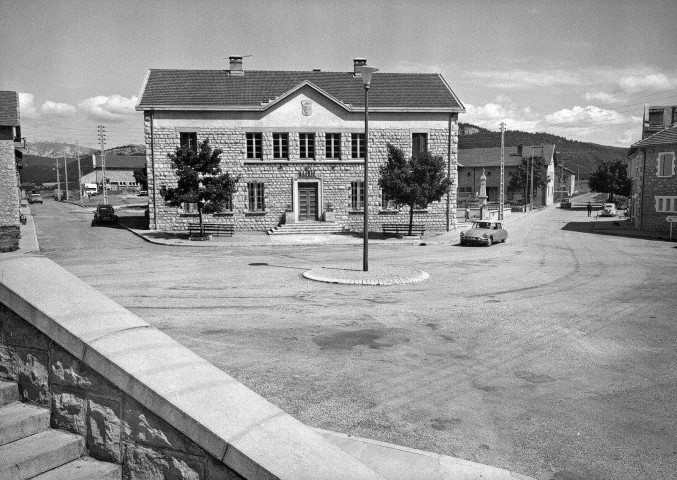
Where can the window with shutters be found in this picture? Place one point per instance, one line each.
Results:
(666, 164)
(419, 143)
(666, 204)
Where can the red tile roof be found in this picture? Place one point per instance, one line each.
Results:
(669, 135)
(9, 109)
(491, 157)
(217, 89)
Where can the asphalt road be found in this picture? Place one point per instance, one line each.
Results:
(552, 355)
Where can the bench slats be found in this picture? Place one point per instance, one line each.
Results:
(402, 229)
(212, 228)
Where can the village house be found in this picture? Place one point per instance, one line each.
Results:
(473, 161)
(659, 118)
(653, 173)
(10, 163)
(119, 172)
(296, 140)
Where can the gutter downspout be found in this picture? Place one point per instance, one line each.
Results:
(152, 166)
(449, 175)
(641, 195)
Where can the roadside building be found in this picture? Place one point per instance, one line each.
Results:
(10, 164)
(473, 161)
(652, 170)
(119, 172)
(296, 140)
(467, 130)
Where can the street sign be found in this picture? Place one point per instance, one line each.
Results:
(671, 218)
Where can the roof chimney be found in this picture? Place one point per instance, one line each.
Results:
(358, 62)
(519, 150)
(236, 65)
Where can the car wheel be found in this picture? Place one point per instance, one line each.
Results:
(490, 241)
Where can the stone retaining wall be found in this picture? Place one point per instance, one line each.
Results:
(9, 187)
(138, 397)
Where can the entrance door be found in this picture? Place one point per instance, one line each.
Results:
(307, 201)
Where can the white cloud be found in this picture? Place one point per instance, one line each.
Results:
(652, 81)
(58, 109)
(27, 107)
(111, 108)
(601, 96)
(490, 115)
(578, 115)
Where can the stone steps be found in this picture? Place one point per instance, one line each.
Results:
(309, 228)
(29, 449)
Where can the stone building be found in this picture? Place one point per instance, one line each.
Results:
(472, 161)
(10, 162)
(296, 140)
(657, 118)
(119, 172)
(653, 171)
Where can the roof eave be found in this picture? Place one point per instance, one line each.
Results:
(252, 108)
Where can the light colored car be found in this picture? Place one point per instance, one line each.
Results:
(35, 198)
(608, 210)
(484, 232)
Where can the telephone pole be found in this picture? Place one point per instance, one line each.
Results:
(102, 139)
(58, 181)
(501, 198)
(79, 170)
(65, 169)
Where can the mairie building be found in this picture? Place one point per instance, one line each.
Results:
(296, 140)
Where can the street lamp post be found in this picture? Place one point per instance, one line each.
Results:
(366, 72)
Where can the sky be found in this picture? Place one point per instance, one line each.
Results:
(581, 69)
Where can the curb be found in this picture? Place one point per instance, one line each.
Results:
(378, 276)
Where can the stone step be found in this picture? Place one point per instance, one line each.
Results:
(20, 420)
(39, 453)
(84, 469)
(9, 392)
(318, 228)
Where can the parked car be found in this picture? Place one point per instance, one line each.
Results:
(484, 232)
(608, 210)
(143, 193)
(35, 198)
(105, 214)
(565, 203)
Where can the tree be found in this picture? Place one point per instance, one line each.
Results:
(200, 180)
(417, 181)
(520, 180)
(141, 177)
(611, 177)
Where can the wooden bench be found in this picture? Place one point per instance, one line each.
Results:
(212, 229)
(400, 229)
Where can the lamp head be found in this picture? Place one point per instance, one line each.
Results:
(366, 72)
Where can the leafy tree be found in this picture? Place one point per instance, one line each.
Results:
(419, 180)
(611, 177)
(141, 177)
(520, 180)
(200, 180)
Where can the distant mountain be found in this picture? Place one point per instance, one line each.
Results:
(581, 157)
(55, 149)
(38, 170)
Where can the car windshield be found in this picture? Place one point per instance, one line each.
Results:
(482, 225)
(105, 208)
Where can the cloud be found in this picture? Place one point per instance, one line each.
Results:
(580, 115)
(111, 108)
(640, 83)
(58, 109)
(27, 106)
(491, 114)
(601, 96)
(524, 79)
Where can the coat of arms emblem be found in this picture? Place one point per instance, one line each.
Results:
(306, 107)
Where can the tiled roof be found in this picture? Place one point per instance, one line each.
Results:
(113, 161)
(490, 157)
(217, 89)
(9, 109)
(669, 135)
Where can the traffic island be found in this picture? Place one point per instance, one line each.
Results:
(377, 275)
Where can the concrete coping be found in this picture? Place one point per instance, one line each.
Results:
(234, 424)
(378, 275)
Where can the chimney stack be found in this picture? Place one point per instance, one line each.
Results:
(236, 65)
(358, 62)
(519, 150)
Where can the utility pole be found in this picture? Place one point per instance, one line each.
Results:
(79, 170)
(65, 169)
(102, 139)
(501, 199)
(58, 181)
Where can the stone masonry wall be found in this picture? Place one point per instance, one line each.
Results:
(116, 428)
(9, 189)
(654, 186)
(278, 175)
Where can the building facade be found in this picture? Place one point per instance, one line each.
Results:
(296, 141)
(473, 161)
(653, 171)
(657, 118)
(10, 163)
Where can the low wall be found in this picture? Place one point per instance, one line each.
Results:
(140, 398)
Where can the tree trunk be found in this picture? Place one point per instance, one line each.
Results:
(411, 217)
(199, 212)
